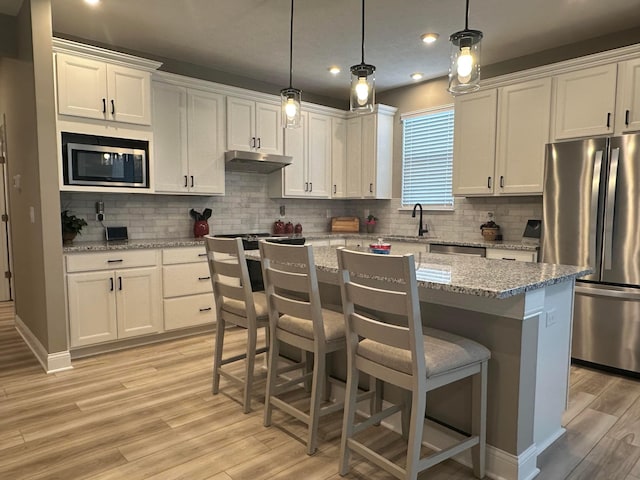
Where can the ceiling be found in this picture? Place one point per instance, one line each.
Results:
(250, 38)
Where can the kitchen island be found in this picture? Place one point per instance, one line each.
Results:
(522, 312)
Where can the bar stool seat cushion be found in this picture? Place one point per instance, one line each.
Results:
(237, 307)
(333, 323)
(444, 352)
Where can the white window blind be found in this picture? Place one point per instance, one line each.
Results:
(427, 158)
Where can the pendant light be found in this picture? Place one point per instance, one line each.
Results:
(464, 69)
(362, 82)
(291, 98)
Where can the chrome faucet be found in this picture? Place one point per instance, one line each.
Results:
(421, 229)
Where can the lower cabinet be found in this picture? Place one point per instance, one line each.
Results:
(113, 304)
(187, 292)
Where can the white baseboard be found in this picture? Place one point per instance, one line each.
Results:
(500, 465)
(51, 362)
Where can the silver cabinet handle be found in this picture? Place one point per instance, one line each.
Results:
(115, 261)
(186, 181)
(311, 186)
(609, 211)
(202, 254)
(501, 181)
(192, 181)
(119, 283)
(205, 309)
(111, 284)
(371, 188)
(259, 142)
(204, 278)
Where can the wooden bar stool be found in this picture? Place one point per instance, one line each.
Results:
(404, 354)
(238, 305)
(297, 318)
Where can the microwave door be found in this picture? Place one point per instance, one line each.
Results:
(106, 166)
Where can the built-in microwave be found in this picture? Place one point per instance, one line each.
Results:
(92, 160)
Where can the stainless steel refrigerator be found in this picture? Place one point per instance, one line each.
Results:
(591, 216)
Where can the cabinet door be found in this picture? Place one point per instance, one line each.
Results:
(474, 144)
(138, 301)
(92, 308)
(369, 154)
(241, 121)
(628, 105)
(318, 167)
(206, 142)
(170, 138)
(82, 87)
(338, 157)
(129, 95)
(354, 158)
(584, 102)
(269, 131)
(295, 140)
(524, 112)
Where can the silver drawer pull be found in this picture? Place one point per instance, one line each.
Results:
(505, 258)
(205, 309)
(204, 278)
(115, 261)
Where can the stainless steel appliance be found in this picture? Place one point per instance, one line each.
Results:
(92, 160)
(592, 217)
(256, 162)
(250, 242)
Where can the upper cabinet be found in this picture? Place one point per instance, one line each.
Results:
(628, 101)
(500, 136)
(370, 154)
(254, 126)
(188, 140)
(584, 102)
(474, 145)
(524, 111)
(309, 174)
(338, 158)
(100, 90)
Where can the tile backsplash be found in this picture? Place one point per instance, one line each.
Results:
(246, 207)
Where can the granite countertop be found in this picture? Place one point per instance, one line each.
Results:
(467, 275)
(100, 246)
(103, 246)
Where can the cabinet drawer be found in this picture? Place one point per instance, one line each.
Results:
(189, 311)
(519, 255)
(187, 279)
(84, 262)
(172, 256)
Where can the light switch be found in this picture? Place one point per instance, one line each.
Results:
(32, 214)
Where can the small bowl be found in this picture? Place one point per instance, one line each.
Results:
(380, 248)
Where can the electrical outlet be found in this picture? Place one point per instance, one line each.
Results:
(283, 210)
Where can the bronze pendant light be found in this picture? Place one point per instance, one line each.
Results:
(291, 98)
(362, 98)
(464, 67)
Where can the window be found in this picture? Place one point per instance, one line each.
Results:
(427, 158)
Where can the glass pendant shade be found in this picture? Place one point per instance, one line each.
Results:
(464, 67)
(362, 88)
(291, 99)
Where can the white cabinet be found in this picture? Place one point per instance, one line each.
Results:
(113, 296)
(474, 145)
(94, 89)
(628, 97)
(338, 158)
(188, 140)
(524, 111)
(370, 155)
(309, 174)
(584, 102)
(500, 137)
(187, 291)
(507, 254)
(254, 126)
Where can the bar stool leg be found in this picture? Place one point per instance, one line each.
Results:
(217, 355)
(479, 421)
(272, 376)
(418, 407)
(351, 390)
(249, 366)
(319, 369)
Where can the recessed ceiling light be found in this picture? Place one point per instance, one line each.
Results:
(92, 2)
(429, 38)
(334, 70)
(417, 75)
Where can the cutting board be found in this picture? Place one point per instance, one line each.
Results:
(345, 225)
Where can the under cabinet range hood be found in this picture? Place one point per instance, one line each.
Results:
(240, 161)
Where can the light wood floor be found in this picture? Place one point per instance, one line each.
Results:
(148, 413)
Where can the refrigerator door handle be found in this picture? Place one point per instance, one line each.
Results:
(609, 211)
(595, 193)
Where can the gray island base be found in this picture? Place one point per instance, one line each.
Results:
(522, 312)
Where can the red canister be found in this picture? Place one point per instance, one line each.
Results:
(297, 228)
(278, 227)
(288, 228)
